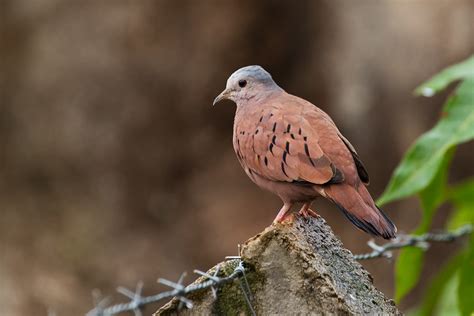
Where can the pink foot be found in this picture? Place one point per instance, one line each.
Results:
(289, 217)
(283, 214)
(308, 213)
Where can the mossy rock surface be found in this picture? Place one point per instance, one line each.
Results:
(299, 267)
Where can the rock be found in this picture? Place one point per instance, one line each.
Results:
(299, 267)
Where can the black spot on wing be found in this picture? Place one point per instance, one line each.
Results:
(303, 183)
(283, 169)
(337, 177)
(306, 150)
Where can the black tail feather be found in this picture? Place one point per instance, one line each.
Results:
(389, 221)
(368, 227)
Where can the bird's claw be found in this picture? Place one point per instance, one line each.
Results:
(288, 217)
(308, 213)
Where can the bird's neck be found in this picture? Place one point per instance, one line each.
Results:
(254, 100)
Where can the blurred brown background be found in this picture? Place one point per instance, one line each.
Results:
(114, 166)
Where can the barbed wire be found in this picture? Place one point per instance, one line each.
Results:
(179, 291)
(419, 241)
(137, 301)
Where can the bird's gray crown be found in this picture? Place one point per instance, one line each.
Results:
(248, 83)
(255, 72)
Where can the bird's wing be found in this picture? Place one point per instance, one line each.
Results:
(363, 174)
(287, 145)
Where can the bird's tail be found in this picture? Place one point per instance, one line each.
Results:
(359, 207)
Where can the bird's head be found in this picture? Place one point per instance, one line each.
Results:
(251, 82)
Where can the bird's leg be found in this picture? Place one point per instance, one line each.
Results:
(306, 211)
(282, 214)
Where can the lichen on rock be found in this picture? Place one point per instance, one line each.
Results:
(299, 267)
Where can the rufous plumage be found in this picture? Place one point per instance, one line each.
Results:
(292, 148)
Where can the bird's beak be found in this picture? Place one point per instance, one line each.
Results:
(224, 95)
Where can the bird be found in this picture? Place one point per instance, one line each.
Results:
(292, 148)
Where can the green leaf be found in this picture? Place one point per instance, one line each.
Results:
(407, 271)
(425, 157)
(410, 261)
(448, 303)
(435, 193)
(435, 289)
(466, 282)
(440, 81)
(423, 169)
(462, 197)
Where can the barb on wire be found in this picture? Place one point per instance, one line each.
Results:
(246, 291)
(419, 241)
(178, 290)
(137, 302)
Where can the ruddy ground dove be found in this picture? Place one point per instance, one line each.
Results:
(292, 148)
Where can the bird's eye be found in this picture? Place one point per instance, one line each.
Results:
(242, 83)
